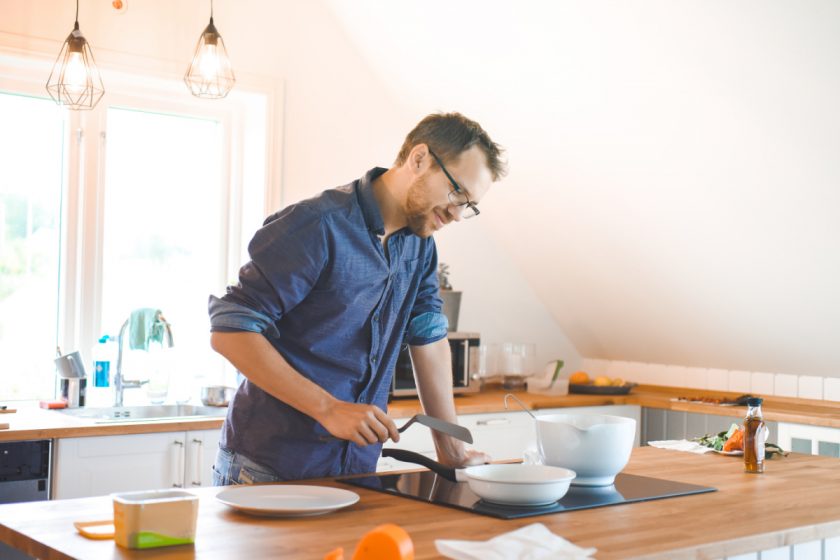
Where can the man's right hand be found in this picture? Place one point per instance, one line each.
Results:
(362, 424)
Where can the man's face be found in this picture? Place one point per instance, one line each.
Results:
(427, 205)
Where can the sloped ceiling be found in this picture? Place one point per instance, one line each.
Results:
(674, 189)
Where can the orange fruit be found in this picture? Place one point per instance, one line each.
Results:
(579, 378)
(386, 542)
(602, 381)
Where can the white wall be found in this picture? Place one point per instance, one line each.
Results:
(340, 118)
(673, 195)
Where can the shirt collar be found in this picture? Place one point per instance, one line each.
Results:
(370, 208)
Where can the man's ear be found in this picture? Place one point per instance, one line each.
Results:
(419, 158)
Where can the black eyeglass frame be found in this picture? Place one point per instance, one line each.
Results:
(458, 190)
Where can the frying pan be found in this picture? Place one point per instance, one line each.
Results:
(508, 484)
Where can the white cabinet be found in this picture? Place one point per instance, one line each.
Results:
(93, 466)
(814, 440)
(502, 435)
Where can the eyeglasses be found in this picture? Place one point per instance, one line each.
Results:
(458, 197)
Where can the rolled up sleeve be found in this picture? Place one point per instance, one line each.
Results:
(427, 323)
(287, 256)
(230, 316)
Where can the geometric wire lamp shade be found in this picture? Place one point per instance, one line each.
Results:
(74, 80)
(210, 74)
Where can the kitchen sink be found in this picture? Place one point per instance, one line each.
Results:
(122, 414)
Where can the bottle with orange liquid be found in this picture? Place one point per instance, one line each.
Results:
(755, 433)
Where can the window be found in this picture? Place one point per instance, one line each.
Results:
(31, 172)
(141, 202)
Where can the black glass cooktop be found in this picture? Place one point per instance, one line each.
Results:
(427, 486)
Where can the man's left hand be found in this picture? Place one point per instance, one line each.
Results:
(463, 458)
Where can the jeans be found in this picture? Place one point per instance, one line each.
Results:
(233, 468)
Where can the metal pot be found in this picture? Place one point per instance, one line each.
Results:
(217, 395)
(508, 484)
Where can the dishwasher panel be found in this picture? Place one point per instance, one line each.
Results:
(25, 471)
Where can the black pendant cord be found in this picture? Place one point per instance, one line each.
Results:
(77, 13)
(211, 8)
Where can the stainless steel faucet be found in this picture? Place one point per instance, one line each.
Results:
(120, 383)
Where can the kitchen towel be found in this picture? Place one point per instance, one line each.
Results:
(144, 326)
(681, 445)
(532, 542)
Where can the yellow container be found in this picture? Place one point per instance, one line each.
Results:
(154, 519)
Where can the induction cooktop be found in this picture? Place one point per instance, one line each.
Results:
(427, 486)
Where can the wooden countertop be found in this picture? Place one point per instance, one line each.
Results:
(35, 423)
(789, 504)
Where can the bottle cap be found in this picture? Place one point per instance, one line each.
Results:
(754, 401)
(104, 338)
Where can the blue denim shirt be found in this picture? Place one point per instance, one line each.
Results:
(324, 292)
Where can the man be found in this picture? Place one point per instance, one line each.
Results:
(335, 285)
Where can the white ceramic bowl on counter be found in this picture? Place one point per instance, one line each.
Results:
(595, 446)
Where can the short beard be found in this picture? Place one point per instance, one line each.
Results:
(417, 210)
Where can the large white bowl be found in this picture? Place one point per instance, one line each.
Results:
(595, 446)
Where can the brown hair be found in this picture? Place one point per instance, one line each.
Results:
(450, 134)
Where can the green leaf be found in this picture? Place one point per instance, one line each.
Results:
(557, 369)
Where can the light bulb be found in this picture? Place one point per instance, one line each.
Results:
(75, 74)
(208, 62)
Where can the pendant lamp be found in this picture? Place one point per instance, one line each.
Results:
(74, 80)
(210, 74)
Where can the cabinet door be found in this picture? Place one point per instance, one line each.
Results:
(502, 435)
(653, 425)
(201, 446)
(417, 438)
(95, 466)
(814, 440)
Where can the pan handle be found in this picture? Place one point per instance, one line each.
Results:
(412, 457)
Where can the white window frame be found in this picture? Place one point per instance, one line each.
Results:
(157, 86)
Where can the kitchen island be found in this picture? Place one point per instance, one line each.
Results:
(795, 501)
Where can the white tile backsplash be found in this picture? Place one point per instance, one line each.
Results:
(810, 387)
(658, 374)
(620, 369)
(762, 383)
(640, 374)
(739, 381)
(717, 379)
(831, 392)
(594, 367)
(786, 385)
(678, 376)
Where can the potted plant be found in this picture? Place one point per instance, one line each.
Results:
(451, 298)
(550, 381)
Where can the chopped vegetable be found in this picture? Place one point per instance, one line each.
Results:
(735, 441)
(717, 442)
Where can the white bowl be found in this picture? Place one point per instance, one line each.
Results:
(518, 484)
(595, 446)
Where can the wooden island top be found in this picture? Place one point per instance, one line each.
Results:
(795, 501)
